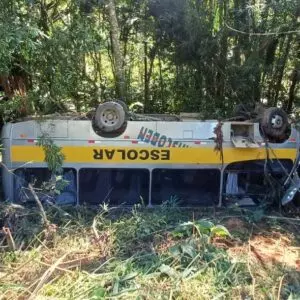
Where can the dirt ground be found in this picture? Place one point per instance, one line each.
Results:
(265, 245)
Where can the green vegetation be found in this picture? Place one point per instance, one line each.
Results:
(171, 55)
(164, 253)
(53, 155)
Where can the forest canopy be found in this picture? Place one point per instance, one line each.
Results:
(201, 56)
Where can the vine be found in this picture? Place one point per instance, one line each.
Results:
(219, 140)
(53, 154)
(54, 159)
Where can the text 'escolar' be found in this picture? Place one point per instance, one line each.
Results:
(132, 154)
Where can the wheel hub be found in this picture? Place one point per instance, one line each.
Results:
(109, 117)
(277, 121)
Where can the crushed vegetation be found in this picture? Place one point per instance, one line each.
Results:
(139, 253)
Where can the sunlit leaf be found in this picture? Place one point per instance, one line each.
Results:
(221, 231)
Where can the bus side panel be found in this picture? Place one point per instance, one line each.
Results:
(7, 174)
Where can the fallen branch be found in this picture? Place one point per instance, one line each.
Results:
(249, 267)
(280, 287)
(9, 238)
(95, 229)
(78, 262)
(46, 276)
(58, 268)
(38, 202)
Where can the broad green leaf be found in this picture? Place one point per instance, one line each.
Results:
(204, 226)
(220, 230)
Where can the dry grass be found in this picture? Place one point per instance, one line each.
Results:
(135, 255)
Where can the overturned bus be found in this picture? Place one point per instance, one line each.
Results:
(119, 159)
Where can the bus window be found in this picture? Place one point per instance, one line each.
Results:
(248, 178)
(38, 177)
(114, 186)
(191, 187)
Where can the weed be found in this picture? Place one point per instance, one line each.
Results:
(138, 254)
(53, 155)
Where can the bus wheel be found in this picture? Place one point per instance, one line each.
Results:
(274, 122)
(110, 116)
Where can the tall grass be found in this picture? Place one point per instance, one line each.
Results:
(137, 253)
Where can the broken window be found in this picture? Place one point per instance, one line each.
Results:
(248, 177)
(114, 186)
(192, 187)
(60, 191)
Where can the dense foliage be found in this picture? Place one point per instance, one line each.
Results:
(172, 55)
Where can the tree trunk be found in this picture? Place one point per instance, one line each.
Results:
(43, 22)
(161, 84)
(272, 72)
(148, 73)
(294, 79)
(116, 51)
(222, 62)
(146, 82)
(281, 68)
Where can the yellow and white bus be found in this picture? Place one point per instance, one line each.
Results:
(152, 161)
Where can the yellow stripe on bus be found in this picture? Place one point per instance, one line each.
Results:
(94, 154)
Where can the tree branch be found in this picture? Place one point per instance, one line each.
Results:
(261, 33)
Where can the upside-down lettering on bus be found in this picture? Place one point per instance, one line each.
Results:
(156, 139)
(131, 154)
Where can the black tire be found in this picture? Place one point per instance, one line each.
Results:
(274, 123)
(123, 104)
(110, 117)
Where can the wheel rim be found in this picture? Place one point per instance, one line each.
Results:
(109, 117)
(277, 121)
